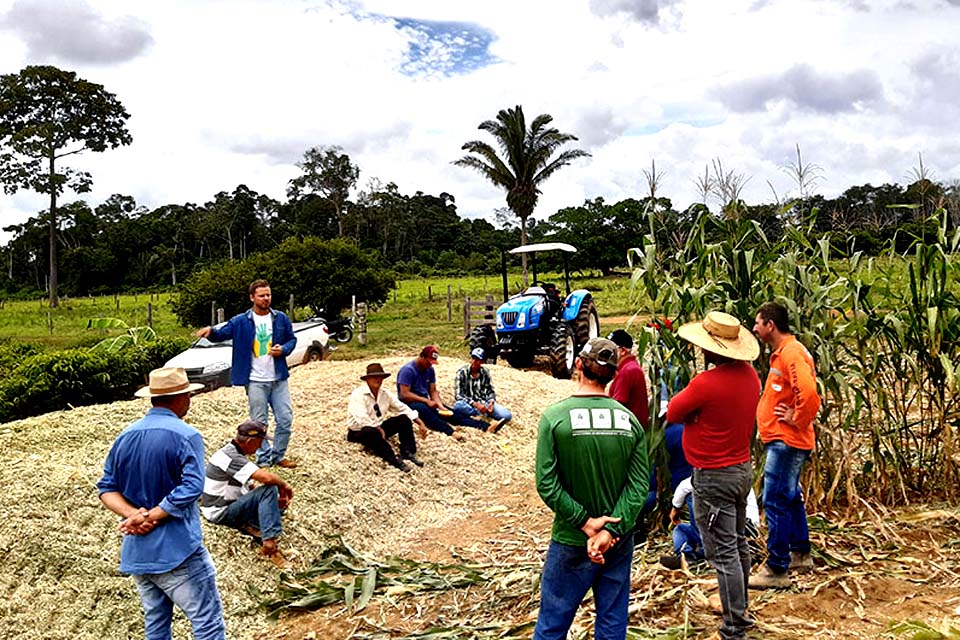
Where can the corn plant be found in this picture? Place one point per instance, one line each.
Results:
(885, 336)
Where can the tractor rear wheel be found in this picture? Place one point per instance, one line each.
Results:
(562, 351)
(587, 324)
(485, 338)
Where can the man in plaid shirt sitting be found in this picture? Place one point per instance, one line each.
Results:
(475, 396)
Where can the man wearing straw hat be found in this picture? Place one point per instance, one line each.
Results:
(374, 414)
(718, 409)
(152, 479)
(592, 472)
(785, 416)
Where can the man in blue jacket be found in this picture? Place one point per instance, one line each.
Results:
(262, 340)
(153, 478)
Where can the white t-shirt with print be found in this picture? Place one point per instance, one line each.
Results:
(262, 369)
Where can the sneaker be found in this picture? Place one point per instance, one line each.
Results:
(287, 463)
(674, 563)
(801, 561)
(409, 457)
(767, 578)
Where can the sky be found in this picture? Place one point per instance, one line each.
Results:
(229, 92)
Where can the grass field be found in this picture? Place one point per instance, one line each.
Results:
(416, 313)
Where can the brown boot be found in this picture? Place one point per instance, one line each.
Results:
(767, 578)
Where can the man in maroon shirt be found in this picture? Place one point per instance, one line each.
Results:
(629, 386)
(718, 409)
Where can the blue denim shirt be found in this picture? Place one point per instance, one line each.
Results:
(158, 460)
(241, 328)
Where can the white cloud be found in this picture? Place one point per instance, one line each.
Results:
(224, 92)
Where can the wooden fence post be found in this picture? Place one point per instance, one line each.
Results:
(360, 315)
(219, 315)
(213, 312)
(466, 316)
(50, 321)
(430, 293)
(150, 313)
(449, 305)
(290, 308)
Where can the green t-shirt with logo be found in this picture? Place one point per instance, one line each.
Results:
(591, 461)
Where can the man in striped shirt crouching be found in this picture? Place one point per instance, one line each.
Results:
(229, 497)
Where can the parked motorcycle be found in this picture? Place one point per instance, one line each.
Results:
(341, 329)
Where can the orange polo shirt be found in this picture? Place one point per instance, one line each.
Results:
(793, 381)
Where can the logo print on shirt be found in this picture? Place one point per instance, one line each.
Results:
(579, 418)
(261, 341)
(602, 419)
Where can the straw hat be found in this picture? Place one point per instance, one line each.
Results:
(375, 370)
(722, 334)
(167, 381)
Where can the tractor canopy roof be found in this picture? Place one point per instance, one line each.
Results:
(544, 246)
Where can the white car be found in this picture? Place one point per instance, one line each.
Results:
(209, 362)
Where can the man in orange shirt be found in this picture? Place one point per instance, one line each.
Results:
(785, 415)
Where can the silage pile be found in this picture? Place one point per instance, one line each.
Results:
(60, 546)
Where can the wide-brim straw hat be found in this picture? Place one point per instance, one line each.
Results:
(375, 370)
(167, 381)
(721, 333)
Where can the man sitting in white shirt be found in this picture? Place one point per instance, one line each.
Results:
(375, 414)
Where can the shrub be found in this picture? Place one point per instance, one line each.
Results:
(57, 380)
(318, 273)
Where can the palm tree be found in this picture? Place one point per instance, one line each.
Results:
(528, 160)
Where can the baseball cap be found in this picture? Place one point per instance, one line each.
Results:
(430, 352)
(602, 351)
(477, 353)
(252, 429)
(621, 338)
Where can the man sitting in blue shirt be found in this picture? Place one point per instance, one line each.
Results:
(152, 478)
(417, 388)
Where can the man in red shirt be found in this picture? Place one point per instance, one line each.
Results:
(629, 386)
(718, 409)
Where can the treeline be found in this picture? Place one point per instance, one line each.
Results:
(121, 246)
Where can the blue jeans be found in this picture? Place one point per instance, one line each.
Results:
(720, 508)
(783, 503)
(686, 536)
(431, 418)
(567, 576)
(260, 508)
(499, 412)
(276, 395)
(192, 587)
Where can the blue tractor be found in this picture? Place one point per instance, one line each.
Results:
(540, 321)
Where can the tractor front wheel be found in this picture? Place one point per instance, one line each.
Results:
(562, 351)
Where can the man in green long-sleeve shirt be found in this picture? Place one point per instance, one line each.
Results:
(592, 471)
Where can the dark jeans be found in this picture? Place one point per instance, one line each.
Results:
(434, 422)
(371, 438)
(720, 508)
(783, 503)
(567, 576)
(260, 508)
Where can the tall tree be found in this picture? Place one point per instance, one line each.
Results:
(328, 172)
(527, 160)
(47, 114)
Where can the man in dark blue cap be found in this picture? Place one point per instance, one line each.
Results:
(229, 497)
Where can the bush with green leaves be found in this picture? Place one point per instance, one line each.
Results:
(58, 380)
(318, 273)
